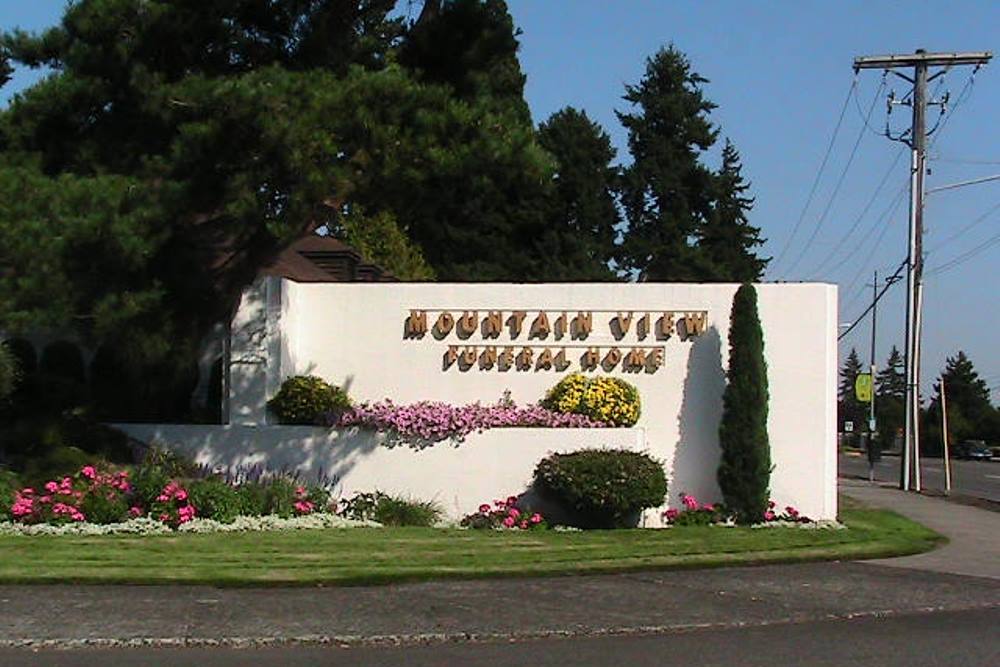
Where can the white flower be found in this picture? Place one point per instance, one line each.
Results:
(150, 526)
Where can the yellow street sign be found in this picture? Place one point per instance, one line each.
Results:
(863, 388)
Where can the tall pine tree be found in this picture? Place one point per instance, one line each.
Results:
(666, 191)
(581, 212)
(890, 384)
(850, 409)
(970, 413)
(744, 473)
(727, 240)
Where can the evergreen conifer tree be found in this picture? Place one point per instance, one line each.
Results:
(890, 383)
(850, 409)
(745, 467)
(727, 239)
(581, 213)
(970, 413)
(666, 191)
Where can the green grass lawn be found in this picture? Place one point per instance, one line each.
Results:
(371, 555)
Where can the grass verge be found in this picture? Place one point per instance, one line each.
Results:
(367, 556)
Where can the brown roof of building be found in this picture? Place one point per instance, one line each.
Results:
(324, 259)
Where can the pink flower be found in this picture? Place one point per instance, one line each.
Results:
(523, 525)
(77, 516)
(51, 487)
(514, 512)
(689, 501)
(536, 518)
(768, 515)
(88, 472)
(484, 509)
(511, 500)
(770, 504)
(671, 514)
(509, 522)
(791, 511)
(181, 495)
(135, 511)
(708, 507)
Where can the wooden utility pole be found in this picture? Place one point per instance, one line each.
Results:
(920, 62)
(944, 437)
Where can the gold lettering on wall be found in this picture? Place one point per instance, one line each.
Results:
(642, 328)
(694, 325)
(665, 326)
(467, 324)
(590, 359)
(655, 359)
(635, 360)
(611, 359)
(544, 360)
(583, 324)
(540, 327)
(515, 321)
(506, 359)
(561, 324)
(620, 325)
(443, 326)
(488, 358)
(451, 356)
(524, 359)
(560, 361)
(492, 324)
(416, 324)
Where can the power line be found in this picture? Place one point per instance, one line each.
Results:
(861, 215)
(966, 256)
(840, 182)
(968, 227)
(819, 173)
(889, 283)
(865, 263)
(888, 211)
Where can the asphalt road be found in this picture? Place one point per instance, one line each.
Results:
(979, 479)
(966, 638)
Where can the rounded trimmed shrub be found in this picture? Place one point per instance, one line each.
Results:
(215, 499)
(307, 399)
(606, 399)
(602, 488)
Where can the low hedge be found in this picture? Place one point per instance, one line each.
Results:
(307, 400)
(602, 488)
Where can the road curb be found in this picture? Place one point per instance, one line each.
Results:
(419, 639)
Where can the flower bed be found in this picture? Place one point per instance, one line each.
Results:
(151, 526)
(708, 514)
(425, 423)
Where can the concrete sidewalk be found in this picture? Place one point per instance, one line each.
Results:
(641, 603)
(974, 534)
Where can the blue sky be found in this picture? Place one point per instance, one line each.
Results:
(781, 73)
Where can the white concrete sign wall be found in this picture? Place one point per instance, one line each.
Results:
(356, 335)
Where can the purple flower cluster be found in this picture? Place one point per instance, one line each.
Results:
(431, 422)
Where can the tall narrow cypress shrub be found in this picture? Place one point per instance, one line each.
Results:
(745, 469)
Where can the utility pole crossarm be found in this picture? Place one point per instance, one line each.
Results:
(929, 59)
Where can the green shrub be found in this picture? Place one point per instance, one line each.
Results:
(307, 399)
(9, 372)
(319, 497)
(215, 499)
(8, 485)
(390, 510)
(604, 488)
(148, 481)
(744, 473)
(398, 511)
(605, 399)
(104, 508)
(55, 464)
(252, 497)
(281, 497)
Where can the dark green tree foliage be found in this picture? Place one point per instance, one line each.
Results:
(727, 239)
(666, 191)
(970, 413)
(179, 146)
(745, 467)
(479, 214)
(849, 408)
(581, 210)
(890, 390)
